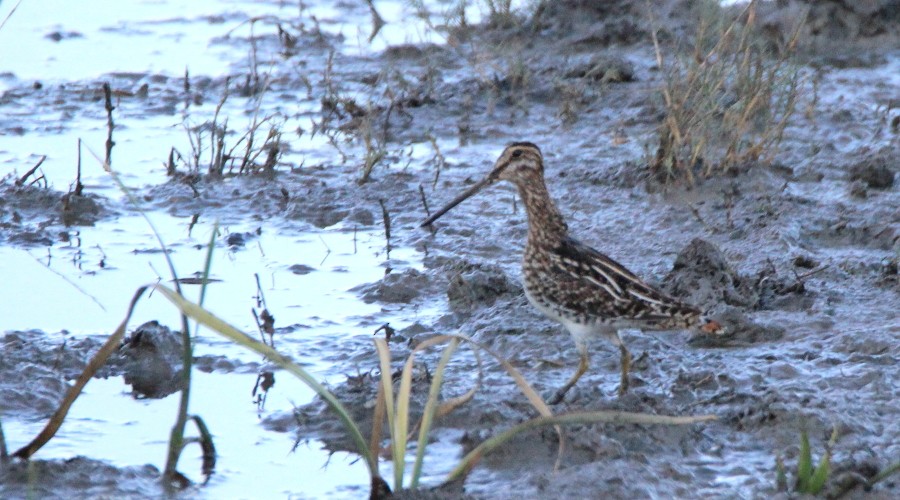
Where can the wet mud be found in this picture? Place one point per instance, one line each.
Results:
(798, 259)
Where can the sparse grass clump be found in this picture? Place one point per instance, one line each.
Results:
(821, 479)
(221, 151)
(809, 478)
(728, 101)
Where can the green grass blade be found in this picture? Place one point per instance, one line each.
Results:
(401, 422)
(224, 329)
(885, 473)
(804, 463)
(176, 436)
(4, 453)
(428, 413)
(820, 475)
(207, 265)
(207, 445)
(398, 416)
(377, 426)
(472, 458)
(387, 387)
(781, 480)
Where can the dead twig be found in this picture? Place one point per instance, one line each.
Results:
(21, 180)
(386, 217)
(107, 93)
(79, 187)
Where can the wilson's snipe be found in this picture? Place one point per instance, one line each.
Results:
(570, 282)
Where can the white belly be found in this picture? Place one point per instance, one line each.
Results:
(581, 332)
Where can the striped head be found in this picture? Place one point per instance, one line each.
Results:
(520, 163)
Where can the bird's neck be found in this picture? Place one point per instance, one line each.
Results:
(545, 224)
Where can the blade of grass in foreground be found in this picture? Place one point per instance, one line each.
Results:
(99, 359)
(398, 417)
(387, 390)
(430, 408)
(218, 325)
(401, 421)
(176, 436)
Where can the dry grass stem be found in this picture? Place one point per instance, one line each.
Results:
(728, 102)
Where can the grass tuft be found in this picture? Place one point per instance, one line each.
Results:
(810, 478)
(727, 101)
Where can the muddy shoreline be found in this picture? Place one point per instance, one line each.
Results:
(799, 256)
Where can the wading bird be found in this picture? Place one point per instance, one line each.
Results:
(589, 293)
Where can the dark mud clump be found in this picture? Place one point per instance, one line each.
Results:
(151, 361)
(32, 215)
(701, 275)
(477, 285)
(876, 172)
(80, 210)
(78, 477)
(395, 288)
(43, 366)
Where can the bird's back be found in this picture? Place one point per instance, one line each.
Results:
(571, 282)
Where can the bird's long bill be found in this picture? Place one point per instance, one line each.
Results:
(456, 201)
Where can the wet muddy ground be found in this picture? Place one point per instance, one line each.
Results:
(799, 258)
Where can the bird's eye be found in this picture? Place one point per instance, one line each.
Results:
(517, 153)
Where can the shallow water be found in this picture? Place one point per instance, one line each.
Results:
(252, 462)
(315, 313)
(81, 285)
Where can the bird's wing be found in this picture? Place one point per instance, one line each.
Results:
(600, 284)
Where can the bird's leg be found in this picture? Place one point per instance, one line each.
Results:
(626, 366)
(582, 367)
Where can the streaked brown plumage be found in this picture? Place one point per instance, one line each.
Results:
(570, 282)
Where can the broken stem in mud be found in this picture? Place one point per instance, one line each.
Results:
(21, 180)
(107, 94)
(802, 277)
(217, 161)
(386, 217)
(427, 210)
(170, 165)
(11, 12)
(79, 187)
(265, 322)
(438, 158)
(187, 92)
(377, 21)
(424, 202)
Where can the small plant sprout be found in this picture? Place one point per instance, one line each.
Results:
(809, 478)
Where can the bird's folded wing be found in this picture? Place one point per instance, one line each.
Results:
(603, 285)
